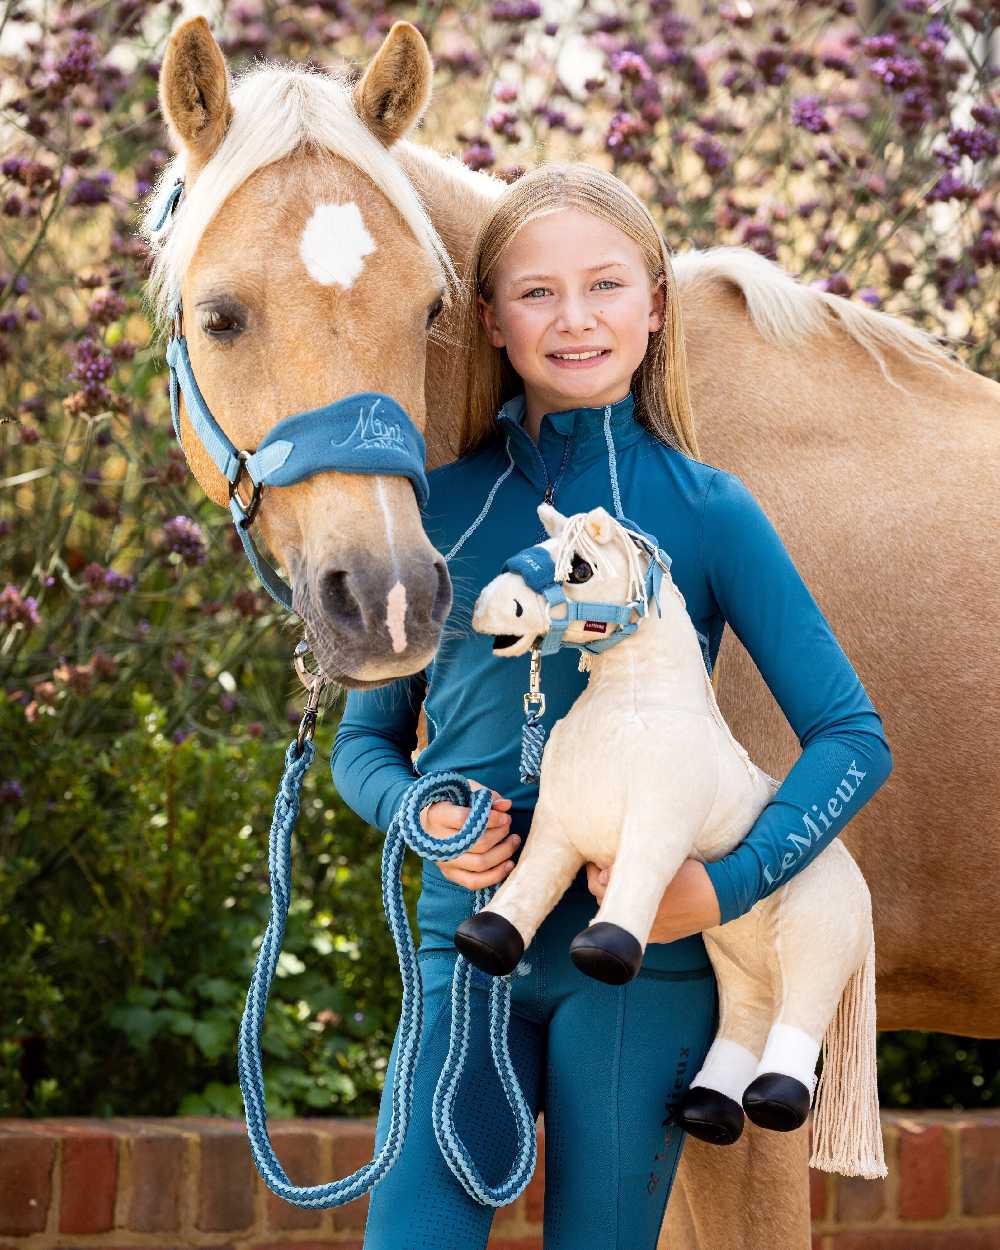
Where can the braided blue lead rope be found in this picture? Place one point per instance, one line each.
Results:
(404, 830)
(532, 746)
(455, 1153)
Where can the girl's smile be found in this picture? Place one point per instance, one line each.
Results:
(579, 357)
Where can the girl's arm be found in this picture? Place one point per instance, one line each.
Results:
(845, 756)
(371, 757)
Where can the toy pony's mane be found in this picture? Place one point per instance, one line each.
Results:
(575, 539)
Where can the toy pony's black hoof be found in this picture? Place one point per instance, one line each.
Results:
(490, 942)
(710, 1116)
(773, 1100)
(607, 953)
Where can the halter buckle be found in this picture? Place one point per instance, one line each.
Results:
(250, 509)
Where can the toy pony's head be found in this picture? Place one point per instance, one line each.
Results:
(580, 587)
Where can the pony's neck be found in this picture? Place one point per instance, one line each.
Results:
(456, 198)
(661, 660)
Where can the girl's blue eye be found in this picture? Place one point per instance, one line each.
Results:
(545, 288)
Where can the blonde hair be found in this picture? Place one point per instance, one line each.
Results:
(659, 385)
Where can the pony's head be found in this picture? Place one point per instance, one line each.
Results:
(594, 559)
(308, 270)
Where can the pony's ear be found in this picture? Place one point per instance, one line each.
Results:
(551, 518)
(395, 89)
(600, 525)
(194, 91)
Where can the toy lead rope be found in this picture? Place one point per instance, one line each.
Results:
(533, 731)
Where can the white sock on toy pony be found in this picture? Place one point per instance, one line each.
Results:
(643, 772)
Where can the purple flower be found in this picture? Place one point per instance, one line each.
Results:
(977, 143)
(92, 367)
(807, 112)
(986, 249)
(880, 45)
(180, 664)
(870, 296)
(107, 307)
(11, 792)
(622, 134)
(504, 122)
(836, 284)
(80, 61)
(897, 72)
(712, 153)
(950, 187)
(185, 537)
(99, 578)
(18, 609)
(91, 191)
(631, 66)
(771, 65)
(479, 155)
(515, 10)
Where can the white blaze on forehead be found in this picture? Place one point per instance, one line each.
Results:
(334, 244)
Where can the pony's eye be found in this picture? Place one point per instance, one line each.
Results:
(580, 571)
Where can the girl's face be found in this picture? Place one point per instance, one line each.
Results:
(569, 284)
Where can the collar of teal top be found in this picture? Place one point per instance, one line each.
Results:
(584, 427)
(585, 424)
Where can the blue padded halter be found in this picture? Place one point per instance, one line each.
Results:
(538, 571)
(364, 433)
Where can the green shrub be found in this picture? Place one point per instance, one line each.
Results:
(133, 899)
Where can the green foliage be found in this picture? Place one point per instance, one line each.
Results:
(132, 903)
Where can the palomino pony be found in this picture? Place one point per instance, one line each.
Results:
(876, 455)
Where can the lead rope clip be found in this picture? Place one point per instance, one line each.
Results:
(313, 683)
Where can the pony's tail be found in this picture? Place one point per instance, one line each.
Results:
(847, 1131)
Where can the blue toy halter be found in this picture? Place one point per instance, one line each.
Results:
(364, 433)
(537, 568)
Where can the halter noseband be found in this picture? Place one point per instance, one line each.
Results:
(364, 433)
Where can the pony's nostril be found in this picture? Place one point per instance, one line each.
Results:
(518, 610)
(336, 597)
(442, 596)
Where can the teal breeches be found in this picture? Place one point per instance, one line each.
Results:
(605, 1064)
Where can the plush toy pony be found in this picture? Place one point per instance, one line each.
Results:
(643, 773)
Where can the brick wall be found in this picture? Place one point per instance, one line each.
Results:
(133, 1183)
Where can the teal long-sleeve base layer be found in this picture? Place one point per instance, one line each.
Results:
(607, 1065)
(603, 1062)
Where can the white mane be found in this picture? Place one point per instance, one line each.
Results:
(574, 537)
(276, 108)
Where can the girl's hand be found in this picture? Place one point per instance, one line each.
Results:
(688, 906)
(486, 862)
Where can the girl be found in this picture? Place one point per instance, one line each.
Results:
(578, 394)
